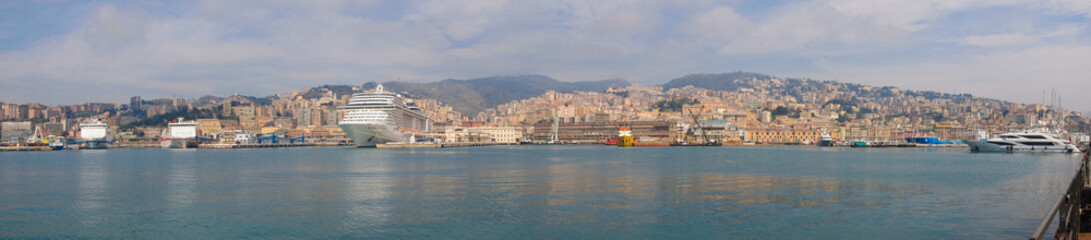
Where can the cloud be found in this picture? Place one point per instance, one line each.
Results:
(1015, 75)
(1071, 6)
(263, 47)
(719, 24)
(796, 26)
(995, 40)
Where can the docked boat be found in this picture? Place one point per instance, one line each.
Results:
(56, 143)
(96, 135)
(825, 140)
(179, 134)
(41, 139)
(625, 137)
(1026, 141)
(377, 117)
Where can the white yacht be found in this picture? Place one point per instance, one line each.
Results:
(376, 117)
(1026, 141)
(96, 135)
(825, 139)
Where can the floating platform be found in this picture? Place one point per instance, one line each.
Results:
(438, 145)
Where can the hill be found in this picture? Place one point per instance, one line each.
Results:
(722, 81)
(475, 95)
(800, 87)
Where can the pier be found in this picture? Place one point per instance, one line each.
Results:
(439, 145)
(1068, 211)
(25, 148)
(260, 145)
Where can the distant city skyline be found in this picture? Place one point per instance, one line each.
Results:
(108, 51)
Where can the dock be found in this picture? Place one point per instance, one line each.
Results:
(24, 148)
(1067, 211)
(260, 145)
(439, 145)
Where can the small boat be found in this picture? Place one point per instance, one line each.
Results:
(1026, 141)
(625, 137)
(56, 143)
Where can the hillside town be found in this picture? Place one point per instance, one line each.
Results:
(756, 111)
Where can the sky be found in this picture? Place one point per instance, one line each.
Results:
(71, 52)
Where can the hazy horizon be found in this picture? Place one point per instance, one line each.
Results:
(107, 51)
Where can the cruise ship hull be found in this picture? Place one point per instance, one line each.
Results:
(981, 146)
(96, 144)
(372, 134)
(178, 143)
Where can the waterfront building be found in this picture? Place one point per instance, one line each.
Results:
(783, 136)
(465, 135)
(600, 131)
(502, 134)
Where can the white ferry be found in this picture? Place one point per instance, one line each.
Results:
(96, 135)
(376, 117)
(179, 134)
(1026, 141)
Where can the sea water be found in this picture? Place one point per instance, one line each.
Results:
(535, 191)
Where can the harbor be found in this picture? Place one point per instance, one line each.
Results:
(268, 145)
(709, 192)
(439, 145)
(1068, 218)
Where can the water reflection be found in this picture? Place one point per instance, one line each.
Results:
(364, 191)
(580, 191)
(538, 191)
(91, 183)
(182, 183)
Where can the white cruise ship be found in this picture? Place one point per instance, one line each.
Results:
(1026, 141)
(96, 135)
(378, 117)
(179, 134)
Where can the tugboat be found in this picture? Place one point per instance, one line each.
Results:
(624, 137)
(56, 143)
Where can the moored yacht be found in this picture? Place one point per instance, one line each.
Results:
(1025, 141)
(825, 139)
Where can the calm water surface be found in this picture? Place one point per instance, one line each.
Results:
(516, 192)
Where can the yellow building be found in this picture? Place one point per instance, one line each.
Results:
(209, 126)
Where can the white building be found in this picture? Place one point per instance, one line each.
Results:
(502, 134)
